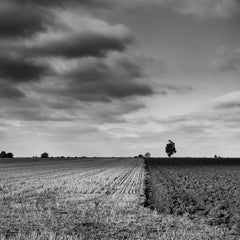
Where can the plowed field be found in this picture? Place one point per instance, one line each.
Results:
(207, 189)
(96, 198)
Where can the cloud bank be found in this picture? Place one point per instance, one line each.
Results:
(58, 59)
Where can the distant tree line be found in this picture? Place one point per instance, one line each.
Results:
(170, 149)
(147, 155)
(3, 154)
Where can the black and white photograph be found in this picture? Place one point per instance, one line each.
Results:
(119, 119)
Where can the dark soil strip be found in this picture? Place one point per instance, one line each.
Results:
(176, 200)
(147, 190)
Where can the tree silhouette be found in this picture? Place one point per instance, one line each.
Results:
(170, 148)
(3, 154)
(9, 155)
(44, 155)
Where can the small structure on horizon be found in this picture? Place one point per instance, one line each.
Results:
(147, 155)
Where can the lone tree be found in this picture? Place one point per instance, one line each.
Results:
(170, 148)
(44, 155)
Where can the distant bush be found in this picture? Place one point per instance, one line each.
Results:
(10, 155)
(3, 154)
(44, 155)
(147, 155)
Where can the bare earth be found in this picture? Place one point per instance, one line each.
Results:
(87, 198)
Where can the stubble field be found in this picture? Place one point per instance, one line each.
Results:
(92, 198)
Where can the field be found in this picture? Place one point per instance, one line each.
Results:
(97, 198)
(208, 189)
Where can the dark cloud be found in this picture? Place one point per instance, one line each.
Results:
(96, 112)
(10, 92)
(21, 70)
(105, 92)
(43, 46)
(33, 109)
(24, 22)
(74, 45)
(63, 3)
(104, 81)
(115, 66)
(25, 18)
(87, 36)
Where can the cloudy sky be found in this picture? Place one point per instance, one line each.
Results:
(120, 78)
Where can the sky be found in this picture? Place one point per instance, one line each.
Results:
(120, 78)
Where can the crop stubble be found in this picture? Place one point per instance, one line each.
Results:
(87, 198)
